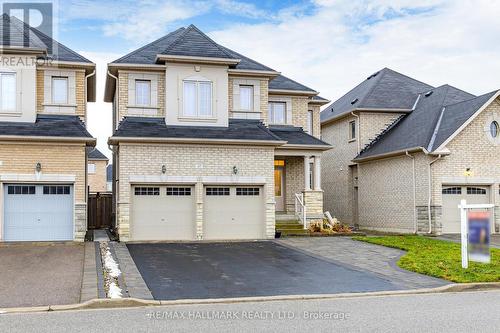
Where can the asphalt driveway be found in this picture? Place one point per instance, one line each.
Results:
(221, 270)
(35, 275)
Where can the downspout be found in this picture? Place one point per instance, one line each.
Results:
(358, 139)
(430, 193)
(415, 224)
(115, 157)
(86, 80)
(117, 97)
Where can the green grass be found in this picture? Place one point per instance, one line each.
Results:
(438, 258)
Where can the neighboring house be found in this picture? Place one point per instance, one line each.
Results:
(406, 153)
(209, 144)
(44, 90)
(109, 178)
(97, 164)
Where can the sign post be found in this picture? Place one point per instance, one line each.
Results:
(475, 229)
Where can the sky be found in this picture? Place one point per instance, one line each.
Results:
(328, 45)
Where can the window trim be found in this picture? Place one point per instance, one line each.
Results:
(149, 85)
(495, 129)
(353, 127)
(8, 73)
(52, 97)
(197, 104)
(271, 117)
(252, 97)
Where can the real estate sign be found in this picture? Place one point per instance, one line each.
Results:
(479, 223)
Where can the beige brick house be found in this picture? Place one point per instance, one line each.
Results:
(209, 144)
(405, 154)
(44, 87)
(97, 171)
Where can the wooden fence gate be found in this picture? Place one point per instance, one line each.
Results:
(99, 211)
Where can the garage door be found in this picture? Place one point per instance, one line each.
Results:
(163, 213)
(452, 195)
(38, 212)
(233, 213)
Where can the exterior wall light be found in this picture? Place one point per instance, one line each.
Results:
(163, 169)
(235, 170)
(38, 167)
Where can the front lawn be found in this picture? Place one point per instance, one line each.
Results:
(438, 258)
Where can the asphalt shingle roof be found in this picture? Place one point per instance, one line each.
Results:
(385, 89)
(95, 154)
(47, 126)
(238, 129)
(296, 136)
(22, 35)
(283, 83)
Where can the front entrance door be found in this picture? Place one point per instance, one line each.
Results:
(279, 185)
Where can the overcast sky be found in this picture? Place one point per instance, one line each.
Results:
(328, 45)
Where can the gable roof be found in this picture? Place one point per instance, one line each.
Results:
(383, 90)
(439, 113)
(22, 35)
(95, 154)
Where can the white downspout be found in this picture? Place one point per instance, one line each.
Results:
(86, 80)
(430, 194)
(415, 223)
(358, 134)
(115, 110)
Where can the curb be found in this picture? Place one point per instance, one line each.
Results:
(135, 302)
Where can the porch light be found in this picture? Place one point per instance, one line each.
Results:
(38, 167)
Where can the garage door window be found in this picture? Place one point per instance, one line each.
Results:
(178, 191)
(147, 191)
(56, 190)
(476, 190)
(217, 191)
(20, 189)
(452, 190)
(249, 191)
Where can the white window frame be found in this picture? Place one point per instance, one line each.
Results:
(272, 117)
(91, 168)
(352, 126)
(252, 95)
(138, 82)
(53, 88)
(310, 122)
(197, 114)
(2, 108)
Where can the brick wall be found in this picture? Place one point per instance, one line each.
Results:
(371, 124)
(294, 180)
(97, 181)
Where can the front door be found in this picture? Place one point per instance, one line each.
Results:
(279, 185)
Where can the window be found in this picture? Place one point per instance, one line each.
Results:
(246, 98)
(217, 191)
(91, 168)
(178, 191)
(8, 91)
(21, 189)
(247, 191)
(310, 122)
(197, 99)
(58, 190)
(476, 190)
(352, 130)
(147, 191)
(494, 129)
(143, 92)
(452, 190)
(277, 113)
(59, 90)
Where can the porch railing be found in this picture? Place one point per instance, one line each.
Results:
(300, 209)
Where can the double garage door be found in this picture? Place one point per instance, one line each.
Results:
(38, 212)
(452, 195)
(169, 213)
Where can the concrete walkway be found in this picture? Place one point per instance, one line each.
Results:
(362, 256)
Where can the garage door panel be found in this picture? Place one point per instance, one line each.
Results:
(239, 215)
(36, 215)
(163, 213)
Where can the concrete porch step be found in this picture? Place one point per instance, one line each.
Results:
(285, 217)
(289, 226)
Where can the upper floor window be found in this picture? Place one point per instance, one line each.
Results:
(352, 130)
(246, 97)
(277, 113)
(91, 168)
(8, 91)
(310, 122)
(197, 99)
(59, 90)
(143, 92)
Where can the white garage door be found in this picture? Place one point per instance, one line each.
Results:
(452, 195)
(38, 212)
(163, 213)
(233, 213)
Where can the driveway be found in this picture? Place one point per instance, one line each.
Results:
(221, 270)
(35, 275)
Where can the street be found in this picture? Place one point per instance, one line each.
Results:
(448, 312)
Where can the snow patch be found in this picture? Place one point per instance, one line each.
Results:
(114, 291)
(110, 264)
(111, 272)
